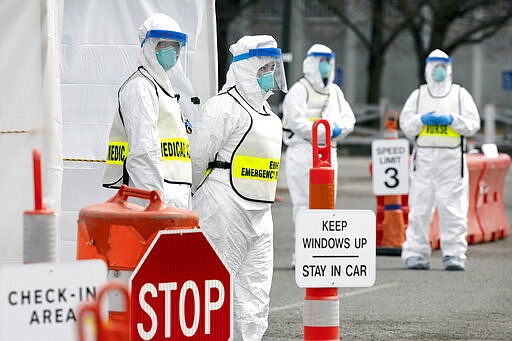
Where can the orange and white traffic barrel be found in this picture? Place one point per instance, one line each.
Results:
(119, 232)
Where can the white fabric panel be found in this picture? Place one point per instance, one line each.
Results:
(99, 51)
(67, 249)
(30, 101)
(68, 223)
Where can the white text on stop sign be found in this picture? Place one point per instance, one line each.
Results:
(167, 289)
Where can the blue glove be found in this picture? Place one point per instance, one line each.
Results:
(445, 120)
(429, 119)
(336, 131)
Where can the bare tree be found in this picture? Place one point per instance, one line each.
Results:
(385, 26)
(450, 24)
(443, 24)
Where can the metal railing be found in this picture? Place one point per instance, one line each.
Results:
(496, 124)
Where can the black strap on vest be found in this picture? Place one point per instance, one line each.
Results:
(219, 164)
(461, 156)
(126, 176)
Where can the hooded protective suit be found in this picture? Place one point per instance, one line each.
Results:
(149, 147)
(438, 116)
(309, 99)
(238, 146)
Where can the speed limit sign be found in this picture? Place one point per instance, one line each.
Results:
(390, 166)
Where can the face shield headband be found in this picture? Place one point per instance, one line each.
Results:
(279, 76)
(322, 55)
(439, 59)
(163, 34)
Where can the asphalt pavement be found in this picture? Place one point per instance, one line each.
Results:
(402, 304)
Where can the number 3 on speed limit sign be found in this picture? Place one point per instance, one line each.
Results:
(390, 167)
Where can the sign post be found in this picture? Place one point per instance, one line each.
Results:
(390, 167)
(335, 248)
(180, 289)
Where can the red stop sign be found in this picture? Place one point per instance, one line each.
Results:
(180, 289)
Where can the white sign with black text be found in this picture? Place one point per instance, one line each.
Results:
(335, 248)
(41, 301)
(390, 167)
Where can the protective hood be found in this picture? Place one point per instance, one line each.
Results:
(435, 59)
(250, 53)
(160, 27)
(311, 69)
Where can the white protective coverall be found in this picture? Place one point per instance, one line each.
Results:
(240, 230)
(439, 174)
(310, 99)
(141, 102)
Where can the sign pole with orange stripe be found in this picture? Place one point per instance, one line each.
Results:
(321, 305)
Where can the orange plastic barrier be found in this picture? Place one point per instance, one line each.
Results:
(490, 208)
(487, 220)
(433, 233)
(476, 167)
(90, 312)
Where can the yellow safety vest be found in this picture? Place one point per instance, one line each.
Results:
(256, 159)
(435, 135)
(175, 149)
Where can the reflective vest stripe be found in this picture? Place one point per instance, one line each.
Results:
(175, 149)
(117, 152)
(438, 131)
(255, 168)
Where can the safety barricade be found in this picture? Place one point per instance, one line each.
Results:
(433, 232)
(490, 207)
(476, 167)
(487, 220)
(90, 320)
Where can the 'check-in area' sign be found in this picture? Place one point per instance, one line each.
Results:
(335, 248)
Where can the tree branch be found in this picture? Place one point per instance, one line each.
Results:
(347, 22)
(466, 38)
(487, 29)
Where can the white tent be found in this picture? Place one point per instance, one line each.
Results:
(67, 112)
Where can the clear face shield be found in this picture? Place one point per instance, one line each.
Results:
(171, 50)
(437, 69)
(273, 62)
(325, 63)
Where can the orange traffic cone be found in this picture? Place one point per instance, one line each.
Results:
(393, 225)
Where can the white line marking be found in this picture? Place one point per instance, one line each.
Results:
(343, 294)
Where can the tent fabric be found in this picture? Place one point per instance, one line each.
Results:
(31, 114)
(60, 96)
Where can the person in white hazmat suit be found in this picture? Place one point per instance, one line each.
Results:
(237, 144)
(438, 116)
(148, 141)
(312, 97)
